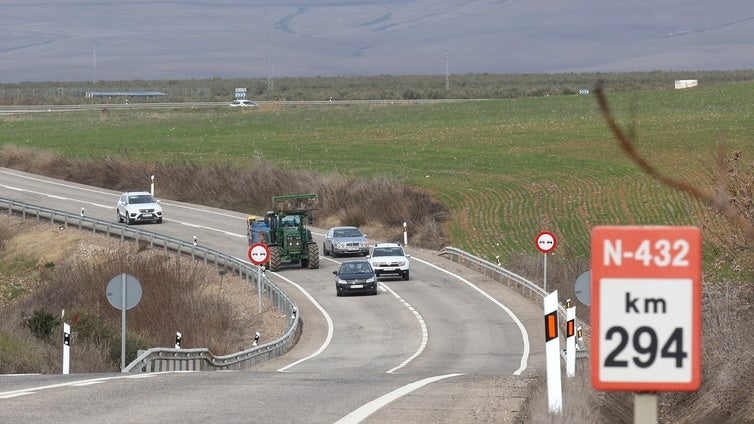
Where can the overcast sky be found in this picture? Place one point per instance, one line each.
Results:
(85, 40)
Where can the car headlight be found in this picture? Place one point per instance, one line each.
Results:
(371, 279)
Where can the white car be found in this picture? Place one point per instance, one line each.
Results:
(389, 258)
(236, 103)
(138, 206)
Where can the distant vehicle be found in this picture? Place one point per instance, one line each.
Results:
(355, 277)
(389, 258)
(138, 206)
(284, 231)
(236, 103)
(345, 240)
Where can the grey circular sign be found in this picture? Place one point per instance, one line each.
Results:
(115, 287)
(584, 287)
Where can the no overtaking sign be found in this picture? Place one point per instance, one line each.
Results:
(646, 295)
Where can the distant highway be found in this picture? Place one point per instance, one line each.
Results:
(6, 110)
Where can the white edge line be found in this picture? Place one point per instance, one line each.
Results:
(368, 409)
(524, 333)
(328, 339)
(68, 383)
(422, 324)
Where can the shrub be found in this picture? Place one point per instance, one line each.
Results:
(42, 324)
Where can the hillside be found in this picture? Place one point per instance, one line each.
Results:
(188, 39)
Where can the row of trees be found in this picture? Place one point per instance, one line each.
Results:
(379, 87)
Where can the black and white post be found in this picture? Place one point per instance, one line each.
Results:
(552, 353)
(66, 346)
(570, 339)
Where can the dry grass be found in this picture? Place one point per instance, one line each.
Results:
(345, 200)
(219, 312)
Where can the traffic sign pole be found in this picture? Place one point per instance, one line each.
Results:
(545, 243)
(258, 254)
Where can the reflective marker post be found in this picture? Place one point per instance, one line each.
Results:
(552, 353)
(570, 339)
(66, 348)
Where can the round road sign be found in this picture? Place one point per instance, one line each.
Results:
(546, 242)
(115, 289)
(258, 253)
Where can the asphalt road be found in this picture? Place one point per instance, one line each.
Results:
(449, 345)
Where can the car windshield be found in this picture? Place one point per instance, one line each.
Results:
(387, 251)
(290, 221)
(347, 232)
(140, 198)
(354, 268)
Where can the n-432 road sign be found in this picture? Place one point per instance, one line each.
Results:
(646, 316)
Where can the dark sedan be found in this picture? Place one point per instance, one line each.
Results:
(355, 277)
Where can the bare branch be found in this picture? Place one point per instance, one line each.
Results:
(719, 202)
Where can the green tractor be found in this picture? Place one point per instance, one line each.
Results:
(285, 232)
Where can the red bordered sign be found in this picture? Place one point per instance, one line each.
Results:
(546, 242)
(258, 253)
(646, 299)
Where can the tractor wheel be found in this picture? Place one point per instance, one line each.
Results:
(313, 252)
(274, 258)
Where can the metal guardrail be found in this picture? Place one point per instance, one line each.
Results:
(171, 359)
(514, 281)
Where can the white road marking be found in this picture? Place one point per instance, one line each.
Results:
(330, 326)
(524, 333)
(370, 408)
(32, 390)
(422, 324)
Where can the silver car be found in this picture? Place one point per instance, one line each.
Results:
(138, 206)
(345, 240)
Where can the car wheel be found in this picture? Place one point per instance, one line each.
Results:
(405, 275)
(117, 215)
(129, 221)
(159, 220)
(324, 249)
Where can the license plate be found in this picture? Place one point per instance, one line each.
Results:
(357, 286)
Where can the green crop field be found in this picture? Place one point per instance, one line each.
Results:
(506, 168)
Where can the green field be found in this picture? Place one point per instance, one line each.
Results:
(506, 168)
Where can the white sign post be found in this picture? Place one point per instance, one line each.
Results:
(546, 243)
(646, 293)
(552, 353)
